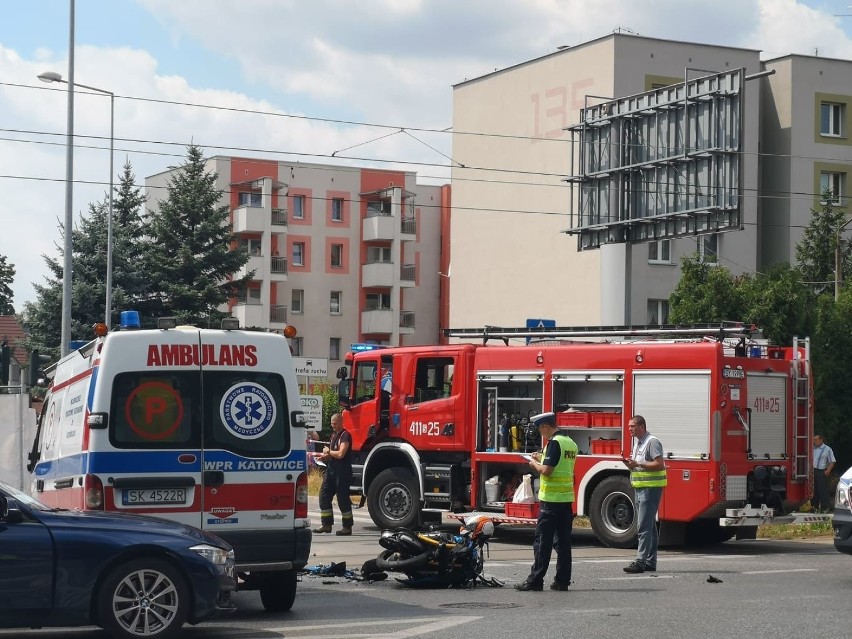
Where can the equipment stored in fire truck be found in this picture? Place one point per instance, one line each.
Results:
(435, 428)
(200, 426)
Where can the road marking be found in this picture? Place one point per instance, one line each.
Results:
(423, 625)
(642, 576)
(769, 572)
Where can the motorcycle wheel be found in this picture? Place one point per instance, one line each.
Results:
(392, 561)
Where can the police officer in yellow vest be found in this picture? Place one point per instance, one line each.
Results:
(648, 478)
(556, 500)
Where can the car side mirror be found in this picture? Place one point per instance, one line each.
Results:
(9, 511)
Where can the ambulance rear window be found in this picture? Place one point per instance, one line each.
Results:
(246, 413)
(156, 410)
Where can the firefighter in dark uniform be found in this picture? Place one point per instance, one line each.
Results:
(338, 477)
(556, 502)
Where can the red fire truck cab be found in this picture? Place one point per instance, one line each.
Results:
(443, 428)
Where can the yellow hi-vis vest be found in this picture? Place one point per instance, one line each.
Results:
(648, 478)
(558, 486)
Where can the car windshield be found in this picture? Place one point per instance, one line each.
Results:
(22, 497)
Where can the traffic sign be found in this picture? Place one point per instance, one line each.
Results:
(311, 366)
(540, 323)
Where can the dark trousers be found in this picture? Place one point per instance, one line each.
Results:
(554, 518)
(335, 483)
(822, 494)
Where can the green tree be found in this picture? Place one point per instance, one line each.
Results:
(7, 276)
(815, 253)
(43, 317)
(831, 354)
(190, 253)
(131, 284)
(778, 302)
(705, 293)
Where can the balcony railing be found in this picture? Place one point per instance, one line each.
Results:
(406, 319)
(278, 265)
(279, 217)
(408, 272)
(408, 225)
(278, 314)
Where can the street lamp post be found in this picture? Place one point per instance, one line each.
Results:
(51, 76)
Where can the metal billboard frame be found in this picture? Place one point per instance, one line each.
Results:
(661, 164)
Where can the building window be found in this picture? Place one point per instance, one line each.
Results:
(658, 311)
(251, 245)
(298, 253)
(378, 254)
(831, 185)
(334, 348)
(299, 207)
(378, 302)
(297, 300)
(335, 303)
(249, 296)
(296, 346)
(337, 209)
(830, 119)
(249, 199)
(337, 255)
(708, 248)
(659, 252)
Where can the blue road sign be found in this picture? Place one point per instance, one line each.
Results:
(540, 323)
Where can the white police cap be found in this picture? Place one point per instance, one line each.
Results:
(543, 418)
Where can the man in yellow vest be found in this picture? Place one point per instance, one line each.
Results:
(556, 501)
(648, 478)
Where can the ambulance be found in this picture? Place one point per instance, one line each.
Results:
(200, 426)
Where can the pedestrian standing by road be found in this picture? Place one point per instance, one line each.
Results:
(823, 465)
(648, 478)
(556, 499)
(337, 479)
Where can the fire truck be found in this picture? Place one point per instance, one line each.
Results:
(434, 428)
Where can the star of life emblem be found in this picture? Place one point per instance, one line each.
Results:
(247, 410)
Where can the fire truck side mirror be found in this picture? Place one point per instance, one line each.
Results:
(342, 372)
(343, 393)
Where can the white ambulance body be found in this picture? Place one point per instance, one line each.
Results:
(199, 426)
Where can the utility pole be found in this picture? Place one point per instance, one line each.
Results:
(838, 261)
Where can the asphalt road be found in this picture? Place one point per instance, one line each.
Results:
(763, 589)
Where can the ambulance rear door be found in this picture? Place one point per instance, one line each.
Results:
(149, 459)
(252, 455)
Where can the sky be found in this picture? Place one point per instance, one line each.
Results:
(297, 80)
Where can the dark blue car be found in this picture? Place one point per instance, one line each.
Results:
(133, 576)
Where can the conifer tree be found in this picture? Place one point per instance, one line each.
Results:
(190, 252)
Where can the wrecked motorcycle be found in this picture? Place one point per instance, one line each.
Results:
(438, 559)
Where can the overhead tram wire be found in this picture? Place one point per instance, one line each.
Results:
(776, 195)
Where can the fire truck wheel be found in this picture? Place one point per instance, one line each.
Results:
(278, 590)
(612, 513)
(393, 499)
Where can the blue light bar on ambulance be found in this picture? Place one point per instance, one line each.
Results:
(129, 320)
(361, 348)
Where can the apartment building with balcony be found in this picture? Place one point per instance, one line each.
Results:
(344, 254)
